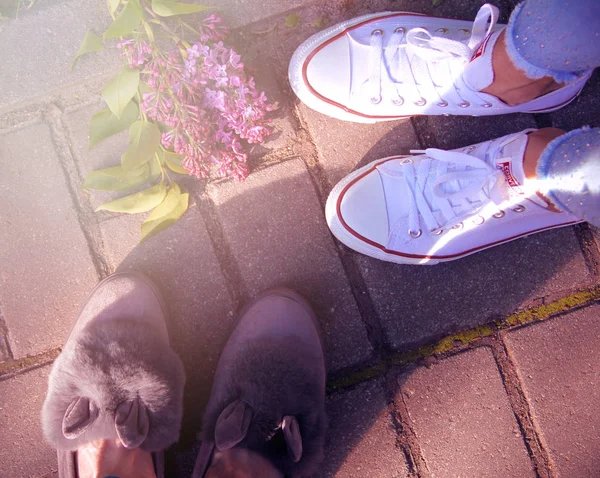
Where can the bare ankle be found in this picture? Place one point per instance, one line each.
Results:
(109, 457)
(536, 144)
(510, 84)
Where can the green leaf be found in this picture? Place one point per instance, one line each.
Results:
(144, 141)
(91, 42)
(173, 162)
(167, 213)
(127, 21)
(292, 20)
(113, 5)
(104, 124)
(119, 91)
(115, 179)
(168, 8)
(141, 201)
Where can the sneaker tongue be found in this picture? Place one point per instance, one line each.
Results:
(510, 162)
(479, 73)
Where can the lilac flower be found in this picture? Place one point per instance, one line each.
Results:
(211, 107)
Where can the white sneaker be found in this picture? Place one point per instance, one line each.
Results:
(441, 205)
(389, 65)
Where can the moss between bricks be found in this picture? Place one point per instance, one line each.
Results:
(12, 367)
(443, 346)
(449, 343)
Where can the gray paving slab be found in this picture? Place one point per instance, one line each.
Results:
(46, 268)
(361, 438)
(241, 12)
(418, 304)
(558, 365)
(450, 132)
(462, 418)
(182, 262)
(40, 47)
(24, 453)
(344, 147)
(583, 111)
(275, 228)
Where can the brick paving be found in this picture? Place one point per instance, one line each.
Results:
(513, 402)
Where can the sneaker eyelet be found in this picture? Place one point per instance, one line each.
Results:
(500, 214)
(375, 100)
(466, 31)
(400, 30)
(436, 232)
(398, 101)
(519, 208)
(406, 161)
(487, 105)
(379, 31)
(460, 225)
(464, 104)
(415, 234)
(442, 30)
(479, 220)
(421, 102)
(443, 104)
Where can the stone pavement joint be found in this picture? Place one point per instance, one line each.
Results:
(358, 287)
(10, 368)
(5, 350)
(518, 401)
(405, 435)
(229, 268)
(87, 219)
(589, 247)
(454, 343)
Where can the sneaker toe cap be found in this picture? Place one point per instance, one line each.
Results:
(363, 209)
(328, 70)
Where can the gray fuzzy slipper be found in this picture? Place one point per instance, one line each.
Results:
(266, 413)
(117, 376)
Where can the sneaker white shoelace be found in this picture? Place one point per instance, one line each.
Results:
(424, 67)
(457, 195)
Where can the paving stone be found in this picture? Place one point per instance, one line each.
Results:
(558, 365)
(237, 13)
(361, 439)
(24, 452)
(583, 111)
(45, 265)
(40, 47)
(450, 132)
(181, 261)
(344, 147)
(418, 304)
(463, 420)
(275, 227)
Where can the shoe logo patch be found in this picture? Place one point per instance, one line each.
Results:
(481, 49)
(510, 179)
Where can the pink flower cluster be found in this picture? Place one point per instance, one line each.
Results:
(134, 53)
(206, 99)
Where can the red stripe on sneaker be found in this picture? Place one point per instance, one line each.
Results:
(419, 256)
